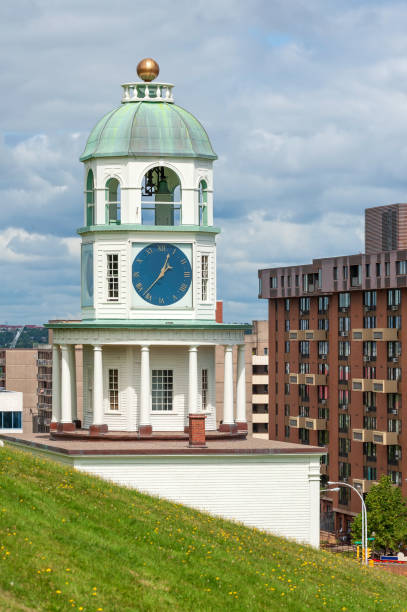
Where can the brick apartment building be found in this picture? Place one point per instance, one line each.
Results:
(338, 349)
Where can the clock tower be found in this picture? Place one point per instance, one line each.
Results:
(148, 277)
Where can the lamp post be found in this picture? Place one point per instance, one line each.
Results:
(364, 516)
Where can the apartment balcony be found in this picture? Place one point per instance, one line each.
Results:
(315, 424)
(46, 377)
(260, 359)
(260, 379)
(295, 421)
(262, 417)
(362, 435)
(307, 379)
(44, 362)
(385, 438)
(363, 485)
(260, 398)
(372, 384)
(307, 334)
(385, 334)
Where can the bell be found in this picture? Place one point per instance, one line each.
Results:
(163, 187)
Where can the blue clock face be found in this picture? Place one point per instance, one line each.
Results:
(161, 274)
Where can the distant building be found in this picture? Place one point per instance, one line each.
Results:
(339, 345)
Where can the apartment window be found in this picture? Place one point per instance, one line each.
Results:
(113, 277)
(344, 422)
(10, 420)
(287, 410)
(303, 435)
(286, 388)
(344, 496)
(305, 282)
(369, 299)
(369, 422)
(322, 392)
(288, 281)
(369, 472)
(369, 401)
(204, 389)
(323, 412)
(369, 450)
(394, 322)
(378, 271)
(393, 403)
(343, 374)
(204, 277)
(282, 281)
(369, 322)
(323, 368)
(344, 470)
(304, 367)
(335, 273)
(303, 411)
(297, 280)
(393, 297)
(387, 268)
(401, 267)
(370, 349)
(369, 372)
(287, 367)
(344, 324)
(344, 397)
(393, 454)
(394, 349)
(344, 272)
(344, 300)
(304, 348)
(323, 348)
(323, 438)
(287, 431)
(287, 346)
(394, 425)
(304, 305)
(276, 430)
(367, 270)
(394, 374)
(287, 305)
(323, 324)
(276, 409)
(114, 389)
(162, 389)
(303, 392)
(287, 325)
(304, 324)
(273, 282)
(344, 447)
(323, 303)
(395, 477)
(265, 351)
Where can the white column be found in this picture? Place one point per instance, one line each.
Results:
(228, 387)
(72, 368)
(241, 385)
(66, 398)
(56, 384)
(193, 380)
(145, 393)
(97, 386)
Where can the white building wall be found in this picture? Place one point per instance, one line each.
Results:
(276, 493)
(11, 401)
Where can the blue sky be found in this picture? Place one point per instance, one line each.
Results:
(305, 102)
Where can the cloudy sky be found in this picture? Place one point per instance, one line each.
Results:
(305, 102)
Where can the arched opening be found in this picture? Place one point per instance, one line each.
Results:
(203, 203)
(161, 197)
(113, 213)
(90, 199)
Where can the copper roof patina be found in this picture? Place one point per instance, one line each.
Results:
(148, 129)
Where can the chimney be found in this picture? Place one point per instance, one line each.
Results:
(219, 312)
(196, 430)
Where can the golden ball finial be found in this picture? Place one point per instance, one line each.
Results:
(148, 69)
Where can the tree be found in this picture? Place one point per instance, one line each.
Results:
(386, 516)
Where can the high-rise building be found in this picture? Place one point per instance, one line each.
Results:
(338, 349)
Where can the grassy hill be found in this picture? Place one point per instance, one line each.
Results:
(73, 542)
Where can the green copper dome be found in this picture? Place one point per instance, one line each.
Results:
(148, 129)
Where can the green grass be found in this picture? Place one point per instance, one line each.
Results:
(69, 541)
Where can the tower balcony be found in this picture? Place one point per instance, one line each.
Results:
(307, 334)
(295, 421)
(362, 435)
(385, 334)
(372, 384)
(385, 438)
(307, 379)
(315, 424)
(363, 485)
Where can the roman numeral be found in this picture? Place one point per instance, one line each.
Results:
(139, 260)
(183, 287)
(148, 297)
(161, 301)
(187, 274)
(136, 274)
(183, 261)
(139, 286)
(162, 247)
(149, 251)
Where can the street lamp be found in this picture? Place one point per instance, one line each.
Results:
(364, 515)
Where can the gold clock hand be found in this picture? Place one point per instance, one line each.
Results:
(162, 272)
